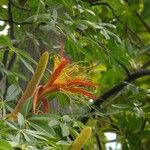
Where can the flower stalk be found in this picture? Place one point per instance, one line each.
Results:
(81, 139)
(65, 77)
(33, 84)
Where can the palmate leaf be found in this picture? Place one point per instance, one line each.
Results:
(37, 134)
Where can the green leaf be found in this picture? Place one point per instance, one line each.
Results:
(4, 145)
(5, 41)
(21, 120)
(64, 129)
(63, 99)
(42, 128)
(12, 92)
(53, 123)
(55, 14)
(131, 123)
(36, 134)
(27, 65)
(144, 134)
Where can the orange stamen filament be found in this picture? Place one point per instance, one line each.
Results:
(80, 91)
(57, 72)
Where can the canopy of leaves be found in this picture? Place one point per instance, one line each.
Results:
(110, 39)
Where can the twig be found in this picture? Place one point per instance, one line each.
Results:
(19, 7)
(98, 142)
(22, 23)
(5, 20)
(121, 85)
(10, 22)
(12, 36)
(146, 64)
(143, 22)
(113, 12)
(16, 22)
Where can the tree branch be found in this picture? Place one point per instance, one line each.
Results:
(120, 86)
(117, 88)
(11, 30)
(143, 22)
(12, 36)
(16, 22)
(98, 142)
(20, 7)
(146, 64)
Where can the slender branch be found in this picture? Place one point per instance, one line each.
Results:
(143, 22)
(20, 7)
(5, 56)
(113, 12)
(98, 142)
(146, 64)
(120, 86)
(5, 20)
(12, 36)
(10, 20)
(22, 23)
(16, 22)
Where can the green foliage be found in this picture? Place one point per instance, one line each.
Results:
(110, 39)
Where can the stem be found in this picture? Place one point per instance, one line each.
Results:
(147, 27)
(32, 85)
(98, 142)
(11, 31)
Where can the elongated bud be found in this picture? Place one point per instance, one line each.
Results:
(33, 83)
(81, 139)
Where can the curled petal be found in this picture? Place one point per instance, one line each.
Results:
(49, 90)
(36, 97)
(57, 72)
(81, 83)
(80, 91)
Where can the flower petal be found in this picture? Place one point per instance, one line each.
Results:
(36, 97)
(80, 91)
(49, 90)
(57, 72)
(81, 83)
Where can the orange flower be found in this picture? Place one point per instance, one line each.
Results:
(65, 77)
